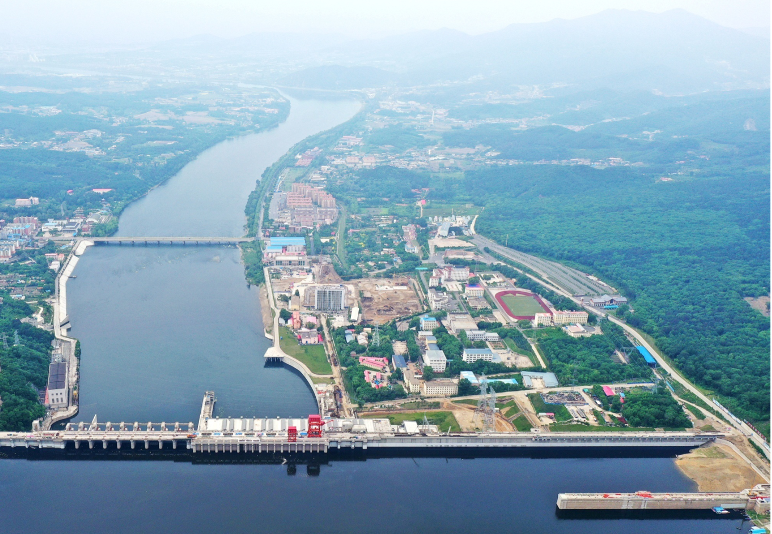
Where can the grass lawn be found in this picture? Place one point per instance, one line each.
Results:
(521, 305)
(322, 380)
(439, 418)
(522, 423)
(470, 402)
(417, 405)
(539, 406)
(696, 411)
(313, 356)
(511, 411)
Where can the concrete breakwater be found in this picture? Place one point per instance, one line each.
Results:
(65, 343)
(755, 499)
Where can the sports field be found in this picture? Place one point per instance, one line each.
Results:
(520, 304)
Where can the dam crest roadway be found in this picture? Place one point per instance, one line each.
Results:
(316, 435)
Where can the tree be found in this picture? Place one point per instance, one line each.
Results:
(465, 387)
(285, 315)
(297, 292)
(428, 373)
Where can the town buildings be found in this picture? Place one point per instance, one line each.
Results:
(439, 387)
(558, 317)
(473, 290)
(472, 355)
(428, 323)
(435, 358)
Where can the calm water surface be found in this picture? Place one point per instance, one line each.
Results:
(159, 326)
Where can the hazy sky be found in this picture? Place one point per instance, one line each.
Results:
(151, 20)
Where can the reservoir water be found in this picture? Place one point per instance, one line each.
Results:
(160, 325)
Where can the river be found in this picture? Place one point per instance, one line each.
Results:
(161, 325)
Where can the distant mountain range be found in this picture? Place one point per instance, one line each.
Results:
(675, 52)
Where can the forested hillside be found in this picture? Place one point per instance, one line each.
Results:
(687, 250)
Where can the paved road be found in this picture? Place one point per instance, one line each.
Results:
(674, 374)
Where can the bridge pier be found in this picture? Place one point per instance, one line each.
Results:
(104, 444)
(118, 444)
(160, 444)
(90, 444)
(147, 444)
(133, 444)
(174, 444)
(77, 444)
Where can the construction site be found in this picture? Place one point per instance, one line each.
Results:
(385, 299)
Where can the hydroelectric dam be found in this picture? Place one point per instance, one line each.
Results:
(317, 435)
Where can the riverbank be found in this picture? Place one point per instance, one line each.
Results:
(717, 468)
(66, 343)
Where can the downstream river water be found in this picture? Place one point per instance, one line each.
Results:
(159, 326)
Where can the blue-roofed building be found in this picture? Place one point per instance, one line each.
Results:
(428, 323)
(469, 375)
(398, 361)
(647, 356)
(503, 380)
(287, 241)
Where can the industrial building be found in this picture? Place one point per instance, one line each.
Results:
(57, 394)
(548, 379)
(579, 330)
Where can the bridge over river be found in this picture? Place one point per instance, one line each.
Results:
(159, 240)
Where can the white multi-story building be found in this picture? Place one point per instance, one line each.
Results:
(437, 299)
(412, 384)
(435, 359)
(569, 317)
(475, 335)
(441, 387)
(472, 355)
(473, 290)
(542, 319)
(428, 323)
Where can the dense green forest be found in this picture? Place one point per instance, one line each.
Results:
(654, 410)
(590, 360)
(686, 251)
(24, 366)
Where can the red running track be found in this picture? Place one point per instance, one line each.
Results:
(520, 294)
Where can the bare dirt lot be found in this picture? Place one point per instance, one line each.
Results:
(760, 304)
(384, 299)
(717, 468)
(326, 274)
